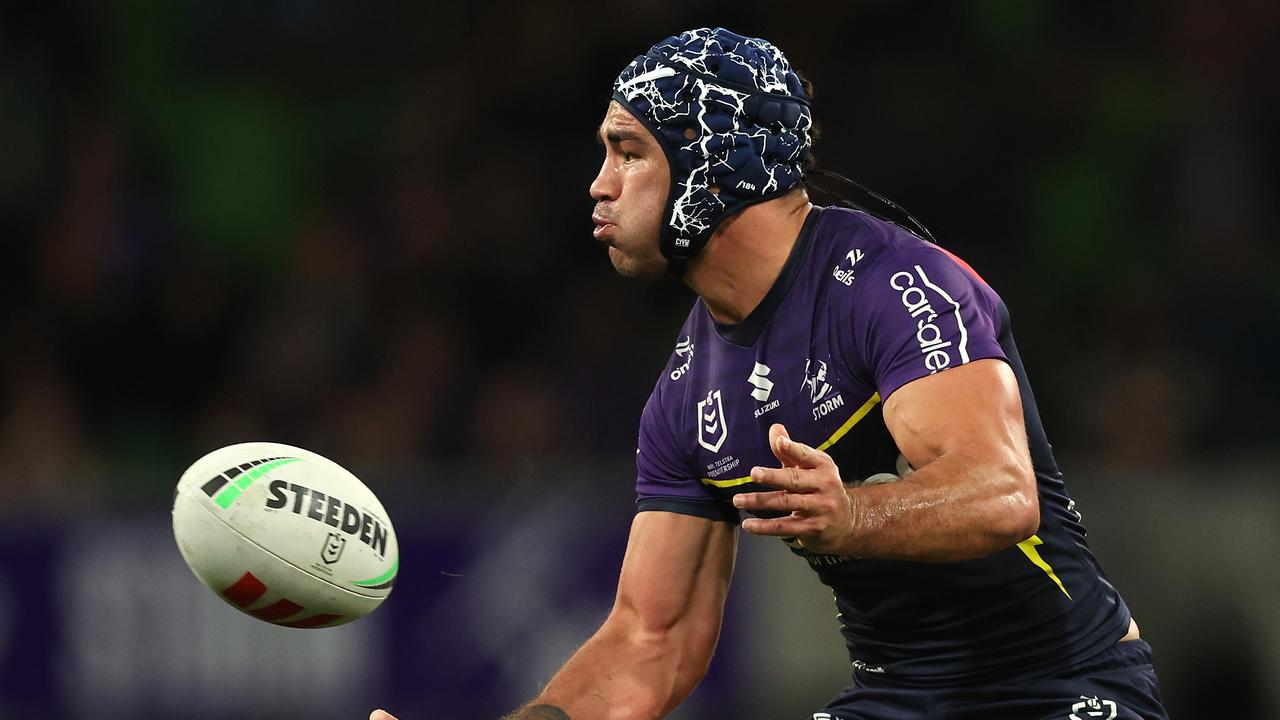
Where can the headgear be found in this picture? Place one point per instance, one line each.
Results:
(731, 116)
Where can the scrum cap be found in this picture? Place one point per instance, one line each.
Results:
(731, 116)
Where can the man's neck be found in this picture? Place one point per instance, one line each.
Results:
(746, 254)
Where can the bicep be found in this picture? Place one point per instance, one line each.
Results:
(973, 410)
(675, 573)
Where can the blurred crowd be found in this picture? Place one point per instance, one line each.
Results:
(366, 231)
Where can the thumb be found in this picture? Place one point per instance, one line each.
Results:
(381, 715)
(790, 452)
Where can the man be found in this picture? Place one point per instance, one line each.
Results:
(856, 390)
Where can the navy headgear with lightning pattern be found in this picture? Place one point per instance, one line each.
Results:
(731, 116)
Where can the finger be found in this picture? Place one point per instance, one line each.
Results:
(774, 527)
(791, 452)
(791, 479)
(777, 500)
(381, 715)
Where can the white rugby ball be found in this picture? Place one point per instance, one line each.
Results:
(285, 535)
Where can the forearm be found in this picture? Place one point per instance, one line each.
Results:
(953, 509)
(538, 711)
(623, 674)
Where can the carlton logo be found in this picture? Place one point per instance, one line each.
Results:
(330, 511)
(712, 429)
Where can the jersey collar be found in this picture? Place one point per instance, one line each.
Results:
(746, 333)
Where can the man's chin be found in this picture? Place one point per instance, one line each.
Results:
(635, 268)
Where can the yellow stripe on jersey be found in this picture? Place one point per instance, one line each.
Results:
(853, 420)
(731, 482)
(835, 436)
(1028, 548)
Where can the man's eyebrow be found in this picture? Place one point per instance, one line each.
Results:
(616, 136)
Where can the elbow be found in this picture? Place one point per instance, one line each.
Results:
(1018, 513)
(674, 652)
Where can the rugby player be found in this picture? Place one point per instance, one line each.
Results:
(856, 390)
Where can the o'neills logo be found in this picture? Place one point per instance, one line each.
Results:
(929, 335)
(684, 349)
(843, 275)
(330, 511)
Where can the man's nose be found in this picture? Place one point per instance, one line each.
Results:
(605, 186)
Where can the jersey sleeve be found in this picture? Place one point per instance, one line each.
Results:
(664, 479)
(920, 312)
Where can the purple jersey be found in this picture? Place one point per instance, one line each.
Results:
(860, 309)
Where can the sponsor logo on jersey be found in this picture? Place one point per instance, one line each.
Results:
(844, 275)
(712, 428)
(763, 389)
(1093, 707)
(759, 379)
(767, 407)
(929, 334)
(684, 349)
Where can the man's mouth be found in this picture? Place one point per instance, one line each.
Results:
(602, 226)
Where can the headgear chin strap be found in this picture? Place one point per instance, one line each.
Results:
(733, 119)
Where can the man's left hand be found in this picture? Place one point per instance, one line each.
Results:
(821, 510)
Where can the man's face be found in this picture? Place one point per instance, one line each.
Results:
(630, 193)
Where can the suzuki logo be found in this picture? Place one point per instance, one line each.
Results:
(763, 385)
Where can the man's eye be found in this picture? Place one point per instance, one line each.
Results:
(628, 157)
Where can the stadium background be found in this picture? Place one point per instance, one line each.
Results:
(367, 233)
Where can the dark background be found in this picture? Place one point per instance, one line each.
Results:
(366, 232)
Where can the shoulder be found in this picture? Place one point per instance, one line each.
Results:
(670, 388)
(853, 245)
(911, 308)
(874, 257)
(862, 258)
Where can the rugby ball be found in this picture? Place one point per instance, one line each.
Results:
(285, 535)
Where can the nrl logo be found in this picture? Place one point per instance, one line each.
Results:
(712, 429)
(333, 547)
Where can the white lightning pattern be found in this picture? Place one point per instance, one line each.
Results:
(674, 101)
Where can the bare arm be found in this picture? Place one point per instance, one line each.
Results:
(657, 642)
(973, 492)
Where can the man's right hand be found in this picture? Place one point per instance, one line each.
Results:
(381, 715)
